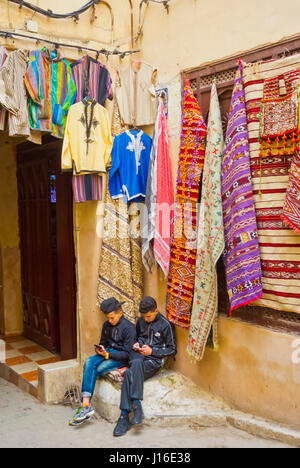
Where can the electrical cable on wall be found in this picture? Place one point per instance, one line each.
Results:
(122, 54)
(49, 13)
(165, 3)
(75, 14)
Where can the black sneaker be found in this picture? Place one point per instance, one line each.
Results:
(137, 414)
(122, 425)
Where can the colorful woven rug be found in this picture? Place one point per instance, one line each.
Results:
(210, 243)
(241, 254)
(120, 268)
(291, 207)
(279, 117)
(279, 244)
(180, 287)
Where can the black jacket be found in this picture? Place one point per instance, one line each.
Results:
(159, 335)
(120, 338)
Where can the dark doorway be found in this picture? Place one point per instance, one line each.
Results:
(47, 247)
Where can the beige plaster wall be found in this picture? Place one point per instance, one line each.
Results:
(11, 313)
(254, 370)
(88, 247)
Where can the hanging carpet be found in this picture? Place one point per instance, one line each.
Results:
(180, 286)
(210, 243)
(241, 253)
(120, 269)
(279, 244)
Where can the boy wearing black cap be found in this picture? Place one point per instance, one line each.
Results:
(155, 342)
(117, 338)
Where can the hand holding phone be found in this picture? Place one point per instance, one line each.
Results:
(99, 347)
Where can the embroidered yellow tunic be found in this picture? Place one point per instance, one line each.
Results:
(87, 143)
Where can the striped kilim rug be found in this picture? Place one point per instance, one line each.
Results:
(241, 253)
(279, 244)
(210, 238)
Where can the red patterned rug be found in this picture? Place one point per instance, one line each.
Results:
(180, 289)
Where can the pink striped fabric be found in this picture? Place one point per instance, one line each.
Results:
(165, 196)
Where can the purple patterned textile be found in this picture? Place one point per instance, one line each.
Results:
(241, 254)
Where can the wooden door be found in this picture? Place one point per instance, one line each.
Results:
(48, 276)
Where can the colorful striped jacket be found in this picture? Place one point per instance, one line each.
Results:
(93, 77)
(13, 96)
(52, 91)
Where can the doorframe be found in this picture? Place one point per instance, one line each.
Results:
(66, 260)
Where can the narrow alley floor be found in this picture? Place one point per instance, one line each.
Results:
(27, 423)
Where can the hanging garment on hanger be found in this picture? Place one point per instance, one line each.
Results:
(241, 254)
(93, 77)
(87, 187)
(149, 215)
(279, 244)
(87, 143)
(3, 112)
(13, 93)
(136, 95)
(117, 124)
(210, 244)
(130, 159)
(181, 276)
(159, 216)
(121, 268)
(51, 87)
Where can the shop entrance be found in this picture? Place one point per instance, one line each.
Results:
(47, 248)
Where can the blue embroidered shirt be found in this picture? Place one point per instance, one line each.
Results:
(130, 159)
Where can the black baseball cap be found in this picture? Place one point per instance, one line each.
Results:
(110, 305)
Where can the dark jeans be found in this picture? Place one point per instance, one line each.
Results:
(96, 366)
(141, 368)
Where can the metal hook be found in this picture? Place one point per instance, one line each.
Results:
(284, 52)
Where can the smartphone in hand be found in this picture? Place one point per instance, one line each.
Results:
(99, 347)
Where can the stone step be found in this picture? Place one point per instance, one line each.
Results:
(171, 399)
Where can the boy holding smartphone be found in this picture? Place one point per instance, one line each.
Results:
(154, 344)
(117, 339)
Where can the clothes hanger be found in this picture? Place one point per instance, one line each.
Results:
(134, 128)
(88, 99)
(87, 96)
